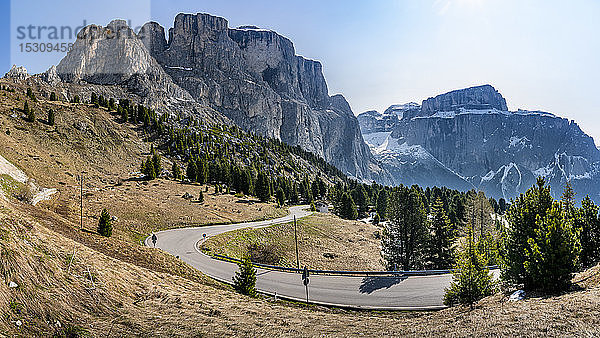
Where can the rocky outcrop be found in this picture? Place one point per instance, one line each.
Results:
(51, 76)
(498, 151)
(481, 97)
(250, 75)
(373, 121)
(254, 77)
(114, 55)
(19, 73)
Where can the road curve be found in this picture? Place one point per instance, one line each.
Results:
(377, 292)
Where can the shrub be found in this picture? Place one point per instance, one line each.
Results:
(24, 193)
(244, 281)
(264, 253)
(105, 224)
(472, 280)
(553, 252)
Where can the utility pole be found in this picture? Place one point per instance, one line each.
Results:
(81, 200)
(296, 237)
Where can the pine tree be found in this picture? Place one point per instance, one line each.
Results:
(294, 198)
(244, 281)
(471, 280)
(202, 175)
(262, 189)
(280, 197)
(53, 96)
(382, 204)
(553, 252)
(176, 171)
(360, 197)
(588, 224)
(104, 224)
(440, 238)
(29, 113)
(403, 237)
(568, 201)
(201, 197)
(148, 169)
(51, 117)
(522, 215)
(156, 164)
(191, 171)
(347, 207)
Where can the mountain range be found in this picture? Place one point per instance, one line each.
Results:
(203, 71)
(468, 139)
(247, 75)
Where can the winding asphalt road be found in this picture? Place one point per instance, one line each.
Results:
(377, 292)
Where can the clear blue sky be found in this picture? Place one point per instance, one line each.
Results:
(540, 54)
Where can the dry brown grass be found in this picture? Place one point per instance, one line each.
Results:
(141, 291)
(129, 300)
(91, 140)
(325, 241)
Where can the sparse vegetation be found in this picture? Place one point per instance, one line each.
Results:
(244, 281)
(29, 113)
(51, 117)
(105, 224)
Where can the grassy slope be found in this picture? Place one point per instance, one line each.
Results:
(132, 300)
(141, 291)
(353, 244)
(91, 140)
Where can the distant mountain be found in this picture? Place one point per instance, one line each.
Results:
(250, 76)
(468, 139)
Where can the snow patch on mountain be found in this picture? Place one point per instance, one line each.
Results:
(519, 141)
(544, 171)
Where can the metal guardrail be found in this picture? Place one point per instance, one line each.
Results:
(345, 273)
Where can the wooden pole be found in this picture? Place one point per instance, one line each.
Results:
(296, 237)
(81, 201)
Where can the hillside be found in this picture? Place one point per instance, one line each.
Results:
(141, 291)
(54, 294)
(325, 242)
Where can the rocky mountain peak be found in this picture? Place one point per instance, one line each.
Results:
(152, 35)
(468, 139)
(249, 75)
(17, 73)
(479, 97)
(107, 55)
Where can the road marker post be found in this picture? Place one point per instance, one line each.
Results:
(305, 280)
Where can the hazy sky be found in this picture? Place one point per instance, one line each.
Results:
(541, 54)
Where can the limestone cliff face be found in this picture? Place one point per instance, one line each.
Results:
(480, 97)
(462, 145)
(249, 75)
(114, 55)
(254, 77)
